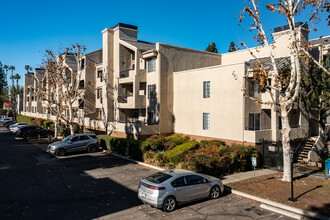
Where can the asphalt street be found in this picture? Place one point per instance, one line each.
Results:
(36, 185)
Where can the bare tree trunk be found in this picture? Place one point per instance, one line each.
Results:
(71, 119)
(286, 144)
(56, 126)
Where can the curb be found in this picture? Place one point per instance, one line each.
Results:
(137, 162)
(269, 205)
(280, 206)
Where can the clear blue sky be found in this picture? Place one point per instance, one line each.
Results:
(28, 28)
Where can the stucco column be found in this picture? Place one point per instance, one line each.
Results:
(274, 124)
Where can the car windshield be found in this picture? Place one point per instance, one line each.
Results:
(67, 139)
(158, 177)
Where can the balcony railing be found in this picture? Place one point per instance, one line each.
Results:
(124, 73)
(123, 98)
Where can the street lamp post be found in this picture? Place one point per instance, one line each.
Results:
(291, 152)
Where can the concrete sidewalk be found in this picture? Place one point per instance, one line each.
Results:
(245, 175)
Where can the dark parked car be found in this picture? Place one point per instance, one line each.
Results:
(32, 131)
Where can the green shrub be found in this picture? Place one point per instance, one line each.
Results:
(3, 111)
(47, 124)
(24, 119)
(177, 154)
(145, 147)
(175, 140)
(64, 130)
(220, 160)
(161, 158)
(127, 147)
(104, 141)
(38, 122)
(156, 143)
(205, 143)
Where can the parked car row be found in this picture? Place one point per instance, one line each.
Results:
(25, 131)
(166, 189)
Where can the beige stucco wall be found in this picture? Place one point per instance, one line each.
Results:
(225, 104)
(280, 49)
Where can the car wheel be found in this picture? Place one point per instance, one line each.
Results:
(215, 192)
(91, 149)
(169, 204)
(26, 136)
(60, 152)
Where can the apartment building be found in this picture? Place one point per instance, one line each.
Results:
(136, 88)
(31, 103)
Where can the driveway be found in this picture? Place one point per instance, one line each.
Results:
(36, 185)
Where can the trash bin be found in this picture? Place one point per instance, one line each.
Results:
(327, 167)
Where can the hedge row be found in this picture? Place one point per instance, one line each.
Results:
(25, 119)
(212, 157)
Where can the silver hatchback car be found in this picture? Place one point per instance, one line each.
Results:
(78, 142)
(167, 188)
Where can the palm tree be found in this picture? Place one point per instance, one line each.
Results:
(12, 68)
(28, 68)
(6, 68)
(17, 77)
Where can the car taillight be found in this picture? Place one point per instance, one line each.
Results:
(157, 188)
(97, 141)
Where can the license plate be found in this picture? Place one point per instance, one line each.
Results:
(143, 195)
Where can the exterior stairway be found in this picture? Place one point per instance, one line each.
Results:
(303, 155)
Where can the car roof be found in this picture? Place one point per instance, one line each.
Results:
(174, 172)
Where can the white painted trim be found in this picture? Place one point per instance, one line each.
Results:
(281, 211)
(282, 206)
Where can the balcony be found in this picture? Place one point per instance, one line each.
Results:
(126, 76)
(254, 136)
(131, 102)
(266, 98)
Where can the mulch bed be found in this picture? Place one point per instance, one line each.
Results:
(312, 193)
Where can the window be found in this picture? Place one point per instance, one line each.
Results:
(152, 91)
(151, 65)
(99, 93)
(206, 89)
(326, 60)
(151, 118)
(74, 139)
(195, 179)
(99, 75)
(93, 136)
(253, 87)
(81, 84)
(82, 66)
(158, 177)
(81, 104)
(179, 182)
(133, 66)
(206, 121)
(254, 122)
(133, 56)
(100, 114)
(83, 138)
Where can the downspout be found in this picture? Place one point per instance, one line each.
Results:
(243, 103)
(159, 84)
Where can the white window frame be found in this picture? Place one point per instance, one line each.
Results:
(151, 65)
(206, 121)
(206, 89)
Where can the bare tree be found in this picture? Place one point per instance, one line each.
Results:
(50, 89)
(285, 85)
